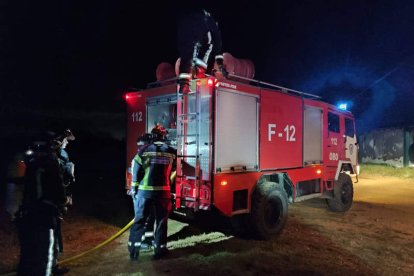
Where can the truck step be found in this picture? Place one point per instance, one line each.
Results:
(188, 114)
(187, 135)
(187, 94)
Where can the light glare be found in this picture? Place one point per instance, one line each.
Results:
(343, 106)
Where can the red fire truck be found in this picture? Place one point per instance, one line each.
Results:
(247, 149)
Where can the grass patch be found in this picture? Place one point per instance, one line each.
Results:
(385, 170)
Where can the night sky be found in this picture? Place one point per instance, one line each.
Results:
(81, 56)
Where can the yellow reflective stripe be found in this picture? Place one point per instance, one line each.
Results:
(164, 154)
(134, 184)
(154, 188)
(138, 159)
(173, 175)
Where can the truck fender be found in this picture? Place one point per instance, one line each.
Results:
(281, 179)
(344, 166)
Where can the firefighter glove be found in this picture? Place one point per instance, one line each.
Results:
(134, 191)
(69, 201)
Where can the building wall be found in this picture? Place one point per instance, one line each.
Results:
(392, 146)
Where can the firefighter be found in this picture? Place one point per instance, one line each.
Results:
(68, 170)
(198, 43)
(67, 165)
(44, 195)
(155, 164)
(148, 238)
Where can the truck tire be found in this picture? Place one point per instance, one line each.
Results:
(269, 210)
(343, 194)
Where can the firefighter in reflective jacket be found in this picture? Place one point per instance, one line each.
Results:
(44, 195)
(148, 238)
(155, 164)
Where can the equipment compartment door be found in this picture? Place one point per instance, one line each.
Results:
(281, 127)
(236, 140)
(312, 135)
(162, 110)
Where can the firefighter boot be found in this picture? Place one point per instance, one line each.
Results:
(133, 255)
(160, 253)
(133, 251)
(201, 73)
(184, 83)
(198, 69)
(59, 270)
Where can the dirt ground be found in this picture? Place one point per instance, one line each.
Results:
(376, 237)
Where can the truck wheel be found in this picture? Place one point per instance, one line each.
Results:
(269, 210)
(342, 195)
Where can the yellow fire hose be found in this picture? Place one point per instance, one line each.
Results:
(120, 232)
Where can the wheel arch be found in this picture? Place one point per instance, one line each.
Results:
(281, 179)
(344, 166)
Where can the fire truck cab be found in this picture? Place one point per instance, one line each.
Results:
(247, 149)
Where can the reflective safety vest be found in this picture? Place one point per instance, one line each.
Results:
(153, 166)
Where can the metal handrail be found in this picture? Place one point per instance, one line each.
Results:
(284, 89)
(258, 82)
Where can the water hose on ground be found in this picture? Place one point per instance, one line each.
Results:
(120, 232)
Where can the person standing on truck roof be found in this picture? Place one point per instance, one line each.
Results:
(155, 164)
(198, 42)
(44, 196)
(148, 238)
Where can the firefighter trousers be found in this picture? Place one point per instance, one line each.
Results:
(162, 208)
(38, 238)
(149, 224)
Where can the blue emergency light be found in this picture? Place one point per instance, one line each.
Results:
(343, 106)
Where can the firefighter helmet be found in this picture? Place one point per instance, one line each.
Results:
(159, 133)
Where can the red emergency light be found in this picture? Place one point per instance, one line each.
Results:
(129, 96)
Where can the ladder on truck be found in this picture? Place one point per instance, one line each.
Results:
(188, 144)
